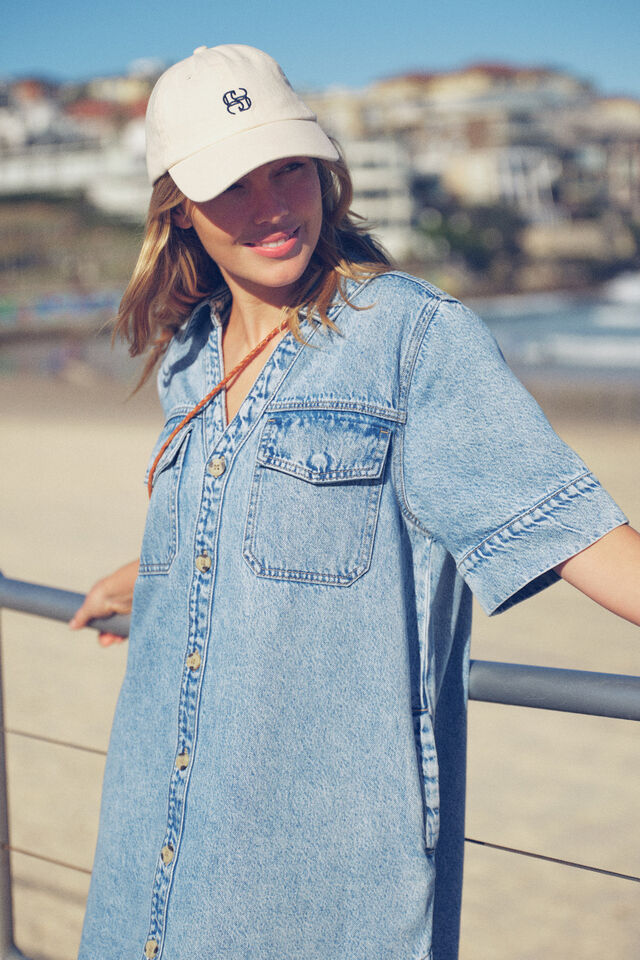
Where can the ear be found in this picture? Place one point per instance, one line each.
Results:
(181, 217)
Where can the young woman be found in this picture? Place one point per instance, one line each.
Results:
(345, 454)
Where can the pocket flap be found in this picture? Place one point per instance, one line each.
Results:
(325, 446)
(170, 454)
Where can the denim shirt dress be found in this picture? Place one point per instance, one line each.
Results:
(285, 778)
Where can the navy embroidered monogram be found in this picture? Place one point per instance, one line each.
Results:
(236, 101)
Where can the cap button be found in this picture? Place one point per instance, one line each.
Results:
(199, 50)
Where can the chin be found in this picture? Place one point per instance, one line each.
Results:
(283, 274)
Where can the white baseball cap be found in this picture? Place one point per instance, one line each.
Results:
(222, 112)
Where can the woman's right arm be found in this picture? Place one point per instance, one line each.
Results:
(113, 594)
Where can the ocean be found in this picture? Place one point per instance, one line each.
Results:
(574, 336)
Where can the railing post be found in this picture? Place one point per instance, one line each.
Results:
(8, 949)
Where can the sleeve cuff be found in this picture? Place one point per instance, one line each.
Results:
(517, 561)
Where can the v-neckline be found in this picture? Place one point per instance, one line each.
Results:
(276, 367)
(257, 394)
(269, 350)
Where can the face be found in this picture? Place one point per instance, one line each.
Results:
(263, 229)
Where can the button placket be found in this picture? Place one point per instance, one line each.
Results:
(201, 587)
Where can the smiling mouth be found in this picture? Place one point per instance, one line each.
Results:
(282, 238)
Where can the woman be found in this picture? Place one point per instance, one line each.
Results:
(286, 771)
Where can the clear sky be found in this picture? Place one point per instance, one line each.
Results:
(327, 42)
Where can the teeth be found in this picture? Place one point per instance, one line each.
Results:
(272, 245)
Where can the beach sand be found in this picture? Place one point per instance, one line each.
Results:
(73, 458)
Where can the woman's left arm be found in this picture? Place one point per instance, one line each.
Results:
(609, 572)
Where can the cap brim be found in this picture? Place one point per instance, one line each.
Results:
(209, 172)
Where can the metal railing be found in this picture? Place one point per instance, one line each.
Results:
(546, 688)
(513, 684)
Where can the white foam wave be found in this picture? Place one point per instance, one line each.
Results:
(611, 352)
(624, 289)
(625, 316)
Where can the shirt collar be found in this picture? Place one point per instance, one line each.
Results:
(219, 305)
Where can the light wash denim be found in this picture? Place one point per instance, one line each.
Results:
(285, 779)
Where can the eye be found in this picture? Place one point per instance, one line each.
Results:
(292, 165)
(234, 186)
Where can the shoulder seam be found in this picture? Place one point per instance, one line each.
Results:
(424, 285)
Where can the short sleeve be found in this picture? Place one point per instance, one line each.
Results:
(483, 471)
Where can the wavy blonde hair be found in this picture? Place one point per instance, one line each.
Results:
(174, 272)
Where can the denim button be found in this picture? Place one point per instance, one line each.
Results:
(217, 466)
(194, 660)
(167, 854)
(203, 562)
(151, 948)
(182, 760)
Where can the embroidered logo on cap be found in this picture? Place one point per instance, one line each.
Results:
(236, 101)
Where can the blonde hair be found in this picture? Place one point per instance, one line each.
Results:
(174, 272)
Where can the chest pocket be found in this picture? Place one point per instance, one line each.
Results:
(315, 496)
(160, 541)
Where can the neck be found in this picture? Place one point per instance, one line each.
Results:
(250, 322)
(251, 316)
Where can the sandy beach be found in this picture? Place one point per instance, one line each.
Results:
(73, 458)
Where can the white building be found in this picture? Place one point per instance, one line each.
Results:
(519, 177)
(381, 185)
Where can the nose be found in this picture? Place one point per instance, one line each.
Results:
(270, 204)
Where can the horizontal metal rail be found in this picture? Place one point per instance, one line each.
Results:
(52, 603)
(512, 684)
(549, 688)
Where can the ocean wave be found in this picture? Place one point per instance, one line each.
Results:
(624, 289)
(625, 316)
(602, 352)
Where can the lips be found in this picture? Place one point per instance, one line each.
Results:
(273, 240)
(276, 245)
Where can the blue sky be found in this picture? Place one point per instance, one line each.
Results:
(328, 41)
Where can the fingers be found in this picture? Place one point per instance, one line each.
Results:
(113, 594)
(108, 639)
(90, 611)
(94, 605)
(81, 617)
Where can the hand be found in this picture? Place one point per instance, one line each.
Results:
(113, 594)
